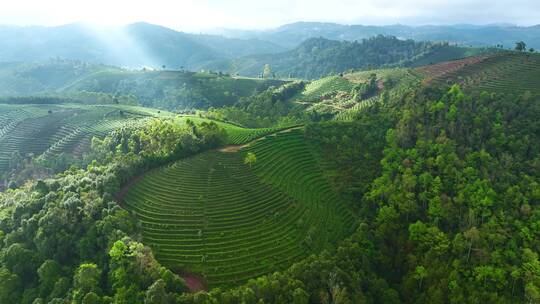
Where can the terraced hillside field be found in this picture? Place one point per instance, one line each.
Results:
(394, 82)
(237, 134)
(215, 216)
(505, 72)
(318, 88)
(49, 130)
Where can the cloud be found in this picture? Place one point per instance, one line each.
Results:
(202, 14)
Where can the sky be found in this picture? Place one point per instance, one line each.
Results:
(201, 15)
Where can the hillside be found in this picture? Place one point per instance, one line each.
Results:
(432, 175)
(57, 135)
(506, 73)
(90, 83)
(378, 186)
(344, 97)
(215, 216)
(319, 57)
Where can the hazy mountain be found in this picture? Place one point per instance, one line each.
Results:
(290, 35)
(135, 45)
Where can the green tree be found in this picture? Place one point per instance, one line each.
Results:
(86, 280)
(10, 285)
(420, 273)
(91, 298)
(156, 294)
(267, 71)
(49, 272)
(250, 159)
(521, 46)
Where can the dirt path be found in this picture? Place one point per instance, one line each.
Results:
(233, 148)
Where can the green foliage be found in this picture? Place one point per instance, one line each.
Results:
(58, 232)
(521, 46)
(443, 190)
(250, 159)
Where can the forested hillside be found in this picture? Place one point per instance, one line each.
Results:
(318, 57)
(450, 180)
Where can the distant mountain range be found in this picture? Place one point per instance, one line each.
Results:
(290, 35)
(147, 45)
(134, 45)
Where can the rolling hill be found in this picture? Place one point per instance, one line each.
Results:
(218, 217)
(343, 97)
(88, 83)
(49, 131)
(385, 185)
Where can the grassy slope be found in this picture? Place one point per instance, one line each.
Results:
(214, 215)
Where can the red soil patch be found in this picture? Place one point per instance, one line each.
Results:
(193, 282)
(439, 69)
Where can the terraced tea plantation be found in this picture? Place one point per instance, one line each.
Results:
(237, 135)
(316, 89)
(49, 130)
(213, 215)
(505, 72)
